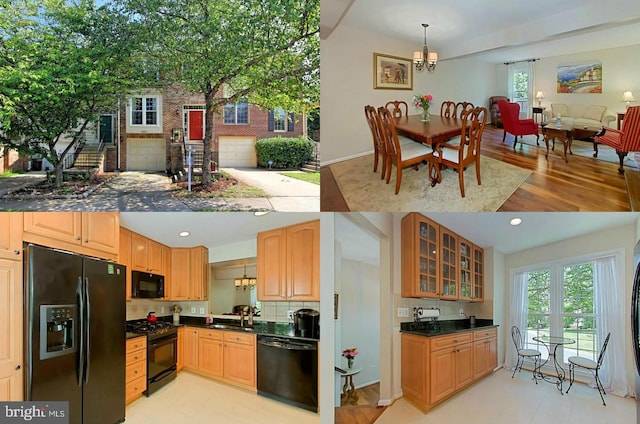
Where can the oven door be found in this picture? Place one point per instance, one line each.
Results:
(162, 355)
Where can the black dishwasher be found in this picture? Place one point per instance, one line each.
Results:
(288, 371)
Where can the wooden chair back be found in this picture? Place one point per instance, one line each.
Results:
(379, 147)
(462, 107)
(397, 106)
(448, 109)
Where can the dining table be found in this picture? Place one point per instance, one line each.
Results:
(552, 343)
(438, 129)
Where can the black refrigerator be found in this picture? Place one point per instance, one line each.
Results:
(75, 334)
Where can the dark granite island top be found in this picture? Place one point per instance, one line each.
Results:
(441, 328)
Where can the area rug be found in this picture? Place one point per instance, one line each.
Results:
(605, 153)
(365, 191)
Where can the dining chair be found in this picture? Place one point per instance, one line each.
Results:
(447, 109)
(379, 149)
(512, 124)
(398, 105)
(594, 367)
(400, 155)
(462, 152)
(462, 107)
(524, 353)
(625, 140)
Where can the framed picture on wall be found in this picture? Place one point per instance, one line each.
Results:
(392, 72)
(585, 78)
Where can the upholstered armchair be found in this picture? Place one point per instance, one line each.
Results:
(624, 141)
(496, 119)
(514, 125)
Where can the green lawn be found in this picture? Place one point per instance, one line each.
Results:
(310, 177)
(8, 173)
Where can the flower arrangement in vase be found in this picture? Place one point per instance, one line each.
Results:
(350, 354)
(423, 101)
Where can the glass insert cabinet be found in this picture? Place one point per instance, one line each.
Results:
(438, 263)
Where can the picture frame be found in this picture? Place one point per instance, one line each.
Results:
(392, 72)
(580, 78)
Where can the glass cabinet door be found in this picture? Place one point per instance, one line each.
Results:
(478, 274)
(466, 260)
(449, 273)
(428, 258)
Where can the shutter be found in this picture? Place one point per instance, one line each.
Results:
(270, 120)
(291, 121)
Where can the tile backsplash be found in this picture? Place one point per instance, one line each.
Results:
(449, 310)
(279, 311)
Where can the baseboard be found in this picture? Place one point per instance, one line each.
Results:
(384, 402)
(342, 159)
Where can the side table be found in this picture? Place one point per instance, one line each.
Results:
(537, 110)
(349, 392)
(620, 118)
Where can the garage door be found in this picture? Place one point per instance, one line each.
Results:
(235, 152)
(146, 154)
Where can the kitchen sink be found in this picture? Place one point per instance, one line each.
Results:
(230, 327)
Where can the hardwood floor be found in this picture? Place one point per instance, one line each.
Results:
(583, 184)
(362, 414)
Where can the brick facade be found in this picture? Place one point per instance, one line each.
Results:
(11, 160)
(173, 100)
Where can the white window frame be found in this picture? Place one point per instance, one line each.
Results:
(280, 113)
(144, 127)
(235, 113)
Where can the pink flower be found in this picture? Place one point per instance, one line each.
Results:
(350, 353)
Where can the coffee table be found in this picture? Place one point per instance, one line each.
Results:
(565, 133)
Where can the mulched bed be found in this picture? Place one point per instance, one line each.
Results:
(217, 186)
(224, 186)
(73, 189)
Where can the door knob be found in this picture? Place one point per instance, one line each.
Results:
(17, 252)
(17, 367)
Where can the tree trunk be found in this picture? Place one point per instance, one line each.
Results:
(208, 134)
(59, 168)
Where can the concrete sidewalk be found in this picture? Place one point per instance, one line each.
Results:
(18, 181)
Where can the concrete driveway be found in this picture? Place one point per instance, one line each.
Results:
(132, 191)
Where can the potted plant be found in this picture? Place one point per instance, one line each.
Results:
(214, 165)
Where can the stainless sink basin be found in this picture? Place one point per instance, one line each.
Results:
(229, 327)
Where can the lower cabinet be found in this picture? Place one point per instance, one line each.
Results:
(136, 368)
(434, 368)
(224, 355)
(180, 358)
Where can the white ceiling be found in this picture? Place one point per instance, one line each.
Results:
(495, 31)
(207, 229)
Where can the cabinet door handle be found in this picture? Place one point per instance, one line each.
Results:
(78, 238)
(17, 367)
(17, 252)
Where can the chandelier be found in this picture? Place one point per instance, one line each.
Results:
(425, 59)
(245, 282)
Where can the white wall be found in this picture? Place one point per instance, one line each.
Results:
(619, 73)
(620, 237)
(346, 69)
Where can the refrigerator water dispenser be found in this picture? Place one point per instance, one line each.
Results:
(57, 330)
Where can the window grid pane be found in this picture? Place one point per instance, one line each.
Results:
(230, 113)
(279, 120)
(242, 112)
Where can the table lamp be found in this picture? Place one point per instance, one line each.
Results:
(627, 96)
(539, 96)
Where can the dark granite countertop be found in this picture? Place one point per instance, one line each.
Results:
(426, 328)
(130, 335)
(268, 328)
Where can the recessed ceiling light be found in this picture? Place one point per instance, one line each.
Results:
(516, 221)
(260, 213)
(184, 234)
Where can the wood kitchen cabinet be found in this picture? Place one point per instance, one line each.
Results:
(211, 352)
(435, 368)
(240, 358)
(11, 235)
(190, 360)
(166, 271)
(11, 367)
(180, 358)
(136, 368)
(485, 352)
(91, 233)
(189, 273)
(438, 263)
(125, 257)
(288, 263)
(146, 255)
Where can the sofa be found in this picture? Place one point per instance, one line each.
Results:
(580, 115)
(496, 119)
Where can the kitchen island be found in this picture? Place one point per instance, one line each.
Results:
(439, 360)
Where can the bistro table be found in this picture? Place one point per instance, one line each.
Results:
(437, 130)
(552, 344)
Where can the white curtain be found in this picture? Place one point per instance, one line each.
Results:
(510, 82)
(610, 319)
(530, 87)
(518, 310)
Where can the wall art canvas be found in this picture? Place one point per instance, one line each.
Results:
(586, 78)
(392, 72)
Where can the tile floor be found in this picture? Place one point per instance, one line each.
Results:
(501, 399)
(193, 399)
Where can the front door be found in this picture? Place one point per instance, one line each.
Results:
(196, 125)
(106, 129)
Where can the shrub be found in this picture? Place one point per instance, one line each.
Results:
(284, 152)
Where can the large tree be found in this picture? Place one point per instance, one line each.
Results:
(61, 64)
(264, 51)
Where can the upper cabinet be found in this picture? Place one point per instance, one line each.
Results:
(92, 233)
(125, 256)
(11, 235)
(289, 263)
(438, 263)
(146, 255)
(189, 274)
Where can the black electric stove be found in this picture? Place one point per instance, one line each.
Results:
(154, 330)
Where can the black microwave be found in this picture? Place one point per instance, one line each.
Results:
(146, 286)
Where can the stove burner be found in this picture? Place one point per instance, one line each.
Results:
(152, 330)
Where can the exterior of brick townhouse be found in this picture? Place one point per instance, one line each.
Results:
(153, 127)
